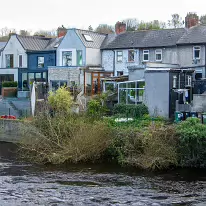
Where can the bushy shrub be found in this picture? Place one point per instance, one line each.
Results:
(192, 147)
(152, 147)
(95, 108)
(64, 138)
(9, 84)
(61, 100)
(135, 111)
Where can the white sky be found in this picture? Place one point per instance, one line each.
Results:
(49, 14)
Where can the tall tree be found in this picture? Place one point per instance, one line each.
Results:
(90, 28)
(46, 33)
(131, 24)
(151, 25)
(105, 29)
(24, 33)
(176, 21)
(203, 19)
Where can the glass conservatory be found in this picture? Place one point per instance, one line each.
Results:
(131, 92)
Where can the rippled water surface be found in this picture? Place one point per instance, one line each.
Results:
(23, 184)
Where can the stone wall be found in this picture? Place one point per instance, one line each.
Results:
(10, 130)
(64, 74)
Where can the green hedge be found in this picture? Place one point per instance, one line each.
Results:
(9, 84)
(192, 143)
(135, 111)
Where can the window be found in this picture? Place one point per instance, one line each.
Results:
(145, 55)
(9, 60)
(131, 56)
(174, 82)
(196, 52)
(158, 55)
(119, 73)
(40, 62)
(67, 58)
(24, 81)
(119, 56)
(88, 37)
(20, 61)
(79, 58)
(188, 80)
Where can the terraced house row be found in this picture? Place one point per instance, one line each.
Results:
(80, 57)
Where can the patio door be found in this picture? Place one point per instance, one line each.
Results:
(96, 84)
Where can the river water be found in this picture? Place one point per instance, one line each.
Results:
(24, 184)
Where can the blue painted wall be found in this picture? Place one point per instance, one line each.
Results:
(49, 59)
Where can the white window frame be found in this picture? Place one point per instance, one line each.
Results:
(174, 81)
(43, 64)
(69, 51)
(22, 60)
(188, 80)
(158, 51)
(145, 52)
(121, 55)
(199, 49)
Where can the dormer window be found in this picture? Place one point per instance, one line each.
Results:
(88, 37)
(196, 52)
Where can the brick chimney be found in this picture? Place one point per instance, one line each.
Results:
(191, 20)
(61, 31)
(120, 27)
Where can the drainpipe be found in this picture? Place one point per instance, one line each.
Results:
(114, 63)
(205, 61)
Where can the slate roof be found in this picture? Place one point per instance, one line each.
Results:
(97, 38)
(33, 43)
(2, 45)
(54, 44)
(145, 39)
(194, 35)
(37, 43)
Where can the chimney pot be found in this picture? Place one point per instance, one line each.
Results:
(192, 19)
(120, 27)
(61, 31)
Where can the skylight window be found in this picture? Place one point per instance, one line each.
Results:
(87, 37)
(56, 45)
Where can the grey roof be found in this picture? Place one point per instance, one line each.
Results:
(97, 38)
(37, 43)
(2, 45)
(194, 35)
(54, 43)
(145, 39)
(33, 43)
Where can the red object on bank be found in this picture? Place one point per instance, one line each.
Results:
(8, 117)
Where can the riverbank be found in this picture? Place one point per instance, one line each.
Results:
(146, 143)
(127, 136)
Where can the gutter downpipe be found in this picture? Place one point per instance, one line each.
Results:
(114, 63)
(205, 61)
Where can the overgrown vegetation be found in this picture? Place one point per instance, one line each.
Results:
(145, 142)
(136, 111)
